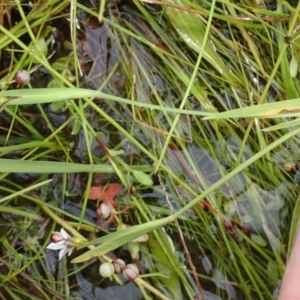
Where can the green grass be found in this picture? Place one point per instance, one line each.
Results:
(196, 108)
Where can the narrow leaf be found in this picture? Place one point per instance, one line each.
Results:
(279, 109)
(119, 238)
(191, 28)
(283, 125)
(16, 166)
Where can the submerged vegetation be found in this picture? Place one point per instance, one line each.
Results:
(157, 139)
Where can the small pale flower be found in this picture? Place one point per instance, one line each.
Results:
(62, 244)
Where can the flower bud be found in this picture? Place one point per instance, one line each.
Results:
(56, 237)
(134, 250)
(106, 269)
(131, 272)
(103, 211)
(119, 265)
(75, 241)
(22, 77)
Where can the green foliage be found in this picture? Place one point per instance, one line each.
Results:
(193, 108)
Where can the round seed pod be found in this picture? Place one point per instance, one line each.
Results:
(103, 211)
(131, 272)
(22, 77)
(106, 269)
(119, 265)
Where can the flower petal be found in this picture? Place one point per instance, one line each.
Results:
(70, 250)
(57, 246)
(63, 252)
(111, 191)
(65, 235)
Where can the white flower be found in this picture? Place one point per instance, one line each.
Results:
(63, 244)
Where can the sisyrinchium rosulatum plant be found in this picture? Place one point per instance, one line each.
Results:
(154, 139)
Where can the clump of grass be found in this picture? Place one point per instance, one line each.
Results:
(213, 194)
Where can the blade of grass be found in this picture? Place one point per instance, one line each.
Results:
(21, 166)
(201, 53)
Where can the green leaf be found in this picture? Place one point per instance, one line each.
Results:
(42, 46)
(283, 125)
(76, 127)
(143, 178)
(114, 153)
(191, 28)
(47, 95)
(55, 106)
(42, 167)
(53, 84)
(59, 66)
(289, 85)
(119, 238)
(20, 212)
(257, 239)
(287, 108)
(172, 283)
(23, 146)
(295, 42)
(24, 166)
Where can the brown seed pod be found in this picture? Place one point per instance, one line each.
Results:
(119, 265)
(131, 272)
